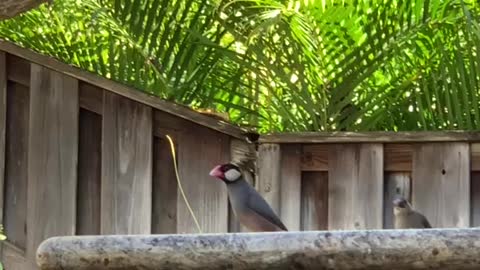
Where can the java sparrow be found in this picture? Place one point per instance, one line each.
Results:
(248, 206)
(405, 217)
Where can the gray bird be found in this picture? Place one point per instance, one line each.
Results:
(249, 207)
(407, 218)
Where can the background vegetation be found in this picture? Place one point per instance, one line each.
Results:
(279, 65)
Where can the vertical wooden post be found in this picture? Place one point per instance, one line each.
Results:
(200, 149)
(52, 157)
(314, 201)
(126, 166)
(441, 183)
(89, 173)
(164, 212)
(290, 186)
(269, 182)
(355, 180)
(3, 127)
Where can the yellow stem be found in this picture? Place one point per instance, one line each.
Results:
(172, 147)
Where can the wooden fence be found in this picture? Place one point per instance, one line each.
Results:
(84, 155)
(349, 182)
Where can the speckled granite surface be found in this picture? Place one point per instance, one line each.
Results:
(379, 249)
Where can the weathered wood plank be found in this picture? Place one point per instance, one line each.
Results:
(398, 157)
(355, 180)
(475, 156)
(314, 201)
(164, 208)
(475, 199)
(91, 97)
(290, 186)
(52, 157)
(128, 92)
(314, 157)
(371, 137)
(89, 173)
(15, 208)
(14, 258)
(126, 192)
(269, 180)
(200, 149)
(396, 183)
(18, 70)
(441, 183)
(3, 130)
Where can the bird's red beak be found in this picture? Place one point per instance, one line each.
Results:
(216, 172)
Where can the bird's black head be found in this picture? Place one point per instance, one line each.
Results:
(227, 172)
(400, 203)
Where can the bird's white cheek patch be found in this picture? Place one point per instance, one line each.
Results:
(232, 175)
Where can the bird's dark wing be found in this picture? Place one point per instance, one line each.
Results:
(257, 204)
(425, 222)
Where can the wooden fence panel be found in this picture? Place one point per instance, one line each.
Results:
(314, 201)
(355, 175)
(290, 186)
(126, 192)
(164, 215)
(15, 205)
(441, 183)
(52, 156)
(89, 173)
(396, 183)
(200, 149)
(268, 185)
(3, 133)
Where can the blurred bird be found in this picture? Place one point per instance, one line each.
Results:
(249, 207)
(407, 218)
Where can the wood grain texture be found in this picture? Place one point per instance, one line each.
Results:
(200, 149)
(475, 199)
(164, 201)
(91, 97)
(475, 156)
(396, 183)
(3, 134)
(52, 157)
(398, 157)
(355, 180)
(290, 186)
(89, 173)
(441, 183)
(3, 129)
(18, 70)
(16, 177)
(314, 201)
(125, 91)
(14, 258)
(126, 192)
(269, 182)
(371, 137)
(315, 157)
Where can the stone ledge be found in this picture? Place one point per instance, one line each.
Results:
(374, 249)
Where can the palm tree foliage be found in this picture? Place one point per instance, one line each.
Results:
(280, 65)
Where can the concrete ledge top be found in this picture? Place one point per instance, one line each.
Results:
(369, 249)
